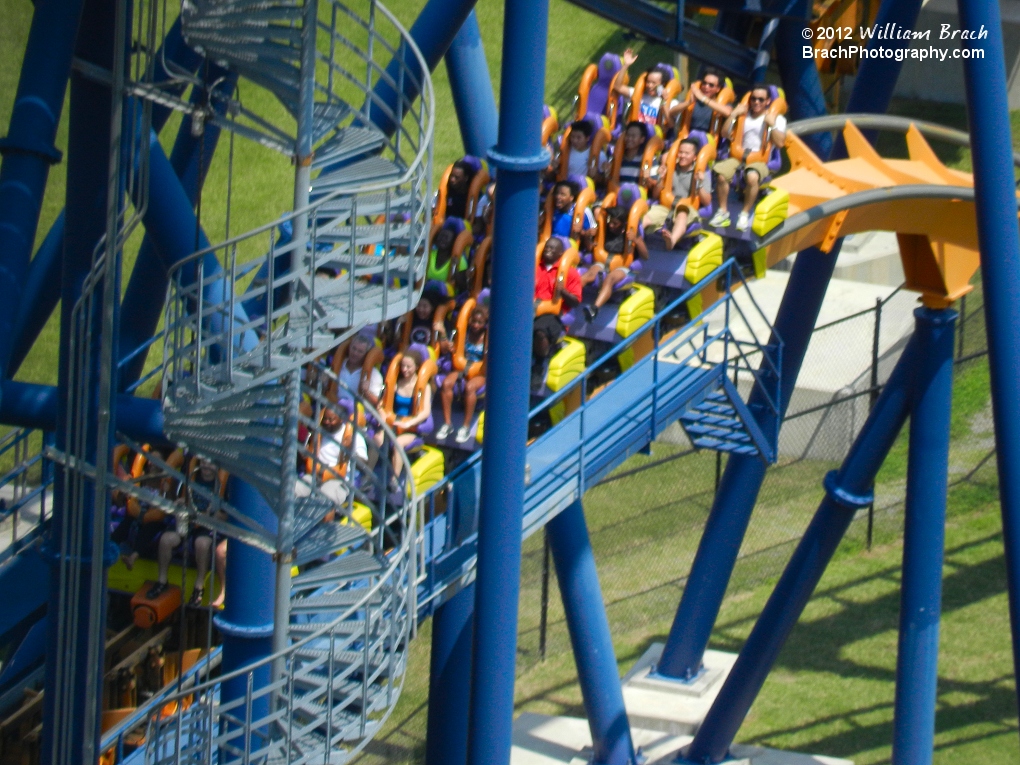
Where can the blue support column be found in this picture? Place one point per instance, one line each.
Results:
(999, 238)
(28, 149)
(519, 156)
(89, 137)
(847, 491)
(741, 482)
(590, 637)
(433, 31)
(924, 539)
(39, 296)
(450, 680)
(473, 98)
(246, 622)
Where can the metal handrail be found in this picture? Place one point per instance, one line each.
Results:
(697, 325)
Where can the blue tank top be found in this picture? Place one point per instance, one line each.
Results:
(402, 405)
(474, 351)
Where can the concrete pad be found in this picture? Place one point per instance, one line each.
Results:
(546, 740)
(671, 706)
(872, 257)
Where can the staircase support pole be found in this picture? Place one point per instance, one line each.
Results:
(518, 156)
(246, 622)
(924, 539)
(473, 98)
(285, 525)
(847, 491)
(590, 637)
(987, 108)
(798, 312)
(450, 680)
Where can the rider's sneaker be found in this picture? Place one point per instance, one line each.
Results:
(444, 432)
(743, 221)
(720, 220)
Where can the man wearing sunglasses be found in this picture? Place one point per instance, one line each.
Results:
(759, 124)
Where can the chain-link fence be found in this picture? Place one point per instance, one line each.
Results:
(646, 519)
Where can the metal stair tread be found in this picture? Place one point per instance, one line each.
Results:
(368, 169)
(357, 563)
(711, 419)
(327, 538)
(724, 446)
(724, 434)
(347, 143)
(334, 601)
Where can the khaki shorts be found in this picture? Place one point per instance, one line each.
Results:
(656, 217)
(727, 168)
(659, 215)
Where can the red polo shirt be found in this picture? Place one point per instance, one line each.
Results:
(545, 281)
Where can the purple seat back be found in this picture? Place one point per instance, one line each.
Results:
(598, 96)
(474, 162)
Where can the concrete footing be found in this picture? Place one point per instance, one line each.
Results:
(664, 716)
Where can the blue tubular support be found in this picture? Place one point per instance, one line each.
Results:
(590, 637)
(450, 679)
(804, 95)
(146, 289)
(999, 238)
(30, 405)
(519, 156)
(246, 622)
(846, 491)
(473, 98)
(40, 295)
(41, 291)
(924, 539)
(432, 32)
(88, 150)
(28, 149)
(742, 479)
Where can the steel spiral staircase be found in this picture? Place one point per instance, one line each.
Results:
(245, 317)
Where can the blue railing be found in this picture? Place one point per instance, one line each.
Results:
(611, 423)
(23, 488)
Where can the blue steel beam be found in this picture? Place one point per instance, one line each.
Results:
(924, 539)
(590, 637)
(846, 491)
(30, 405)
(999, 238)
(798, 312)
(28, 149)
(518, 157)
(433, 31)
(450, 680)
(67, 699)
(473, 98)
(41, 291)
